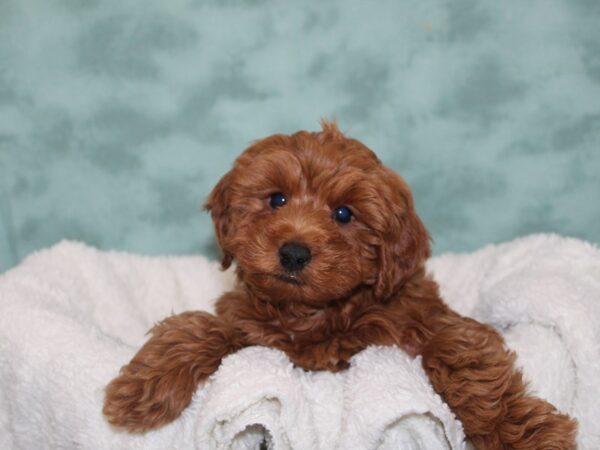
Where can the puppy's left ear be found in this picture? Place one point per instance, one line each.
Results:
(218, 205)
(404, 246)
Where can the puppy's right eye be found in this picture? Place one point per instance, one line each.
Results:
(277, 200)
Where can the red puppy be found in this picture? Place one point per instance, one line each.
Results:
(330, 259)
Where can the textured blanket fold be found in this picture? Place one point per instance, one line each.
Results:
(70, 317)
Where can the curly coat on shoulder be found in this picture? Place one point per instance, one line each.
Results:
(330, 258)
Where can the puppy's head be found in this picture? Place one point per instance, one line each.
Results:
(314, 217)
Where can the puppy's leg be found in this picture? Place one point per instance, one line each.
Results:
(162, 377)
(468, 364)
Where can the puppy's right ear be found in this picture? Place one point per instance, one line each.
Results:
(218, 205)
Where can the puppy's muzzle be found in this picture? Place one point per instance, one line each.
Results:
(294, 257)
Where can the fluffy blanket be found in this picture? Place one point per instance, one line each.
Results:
(70, 317)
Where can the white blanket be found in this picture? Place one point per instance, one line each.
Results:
(71, 316)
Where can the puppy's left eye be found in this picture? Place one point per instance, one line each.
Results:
(342, 214)
(277, 200)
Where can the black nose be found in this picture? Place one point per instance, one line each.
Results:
(294, 256)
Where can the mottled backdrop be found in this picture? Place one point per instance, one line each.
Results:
(116, 117)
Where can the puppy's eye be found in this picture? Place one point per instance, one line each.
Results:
(342, 214)
(277, 200)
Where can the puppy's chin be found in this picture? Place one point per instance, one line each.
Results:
(294, 287)
(290, 279)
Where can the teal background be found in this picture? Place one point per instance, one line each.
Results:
(117, 117)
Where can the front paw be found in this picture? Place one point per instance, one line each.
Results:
(140, 399)
(160, 381)
(468, 364)
(533, 423)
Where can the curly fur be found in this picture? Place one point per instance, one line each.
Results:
(365, 284)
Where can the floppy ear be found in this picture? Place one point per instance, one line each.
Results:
(218, 205)
(404, 246)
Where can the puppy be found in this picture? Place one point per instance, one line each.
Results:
(330, 259)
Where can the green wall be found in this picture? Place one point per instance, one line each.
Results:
(117, 117)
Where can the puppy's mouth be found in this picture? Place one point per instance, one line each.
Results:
(289, 278)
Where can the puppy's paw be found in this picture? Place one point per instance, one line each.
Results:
(162, 377)
(140, 399)
(468, 364)
(533, 423)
